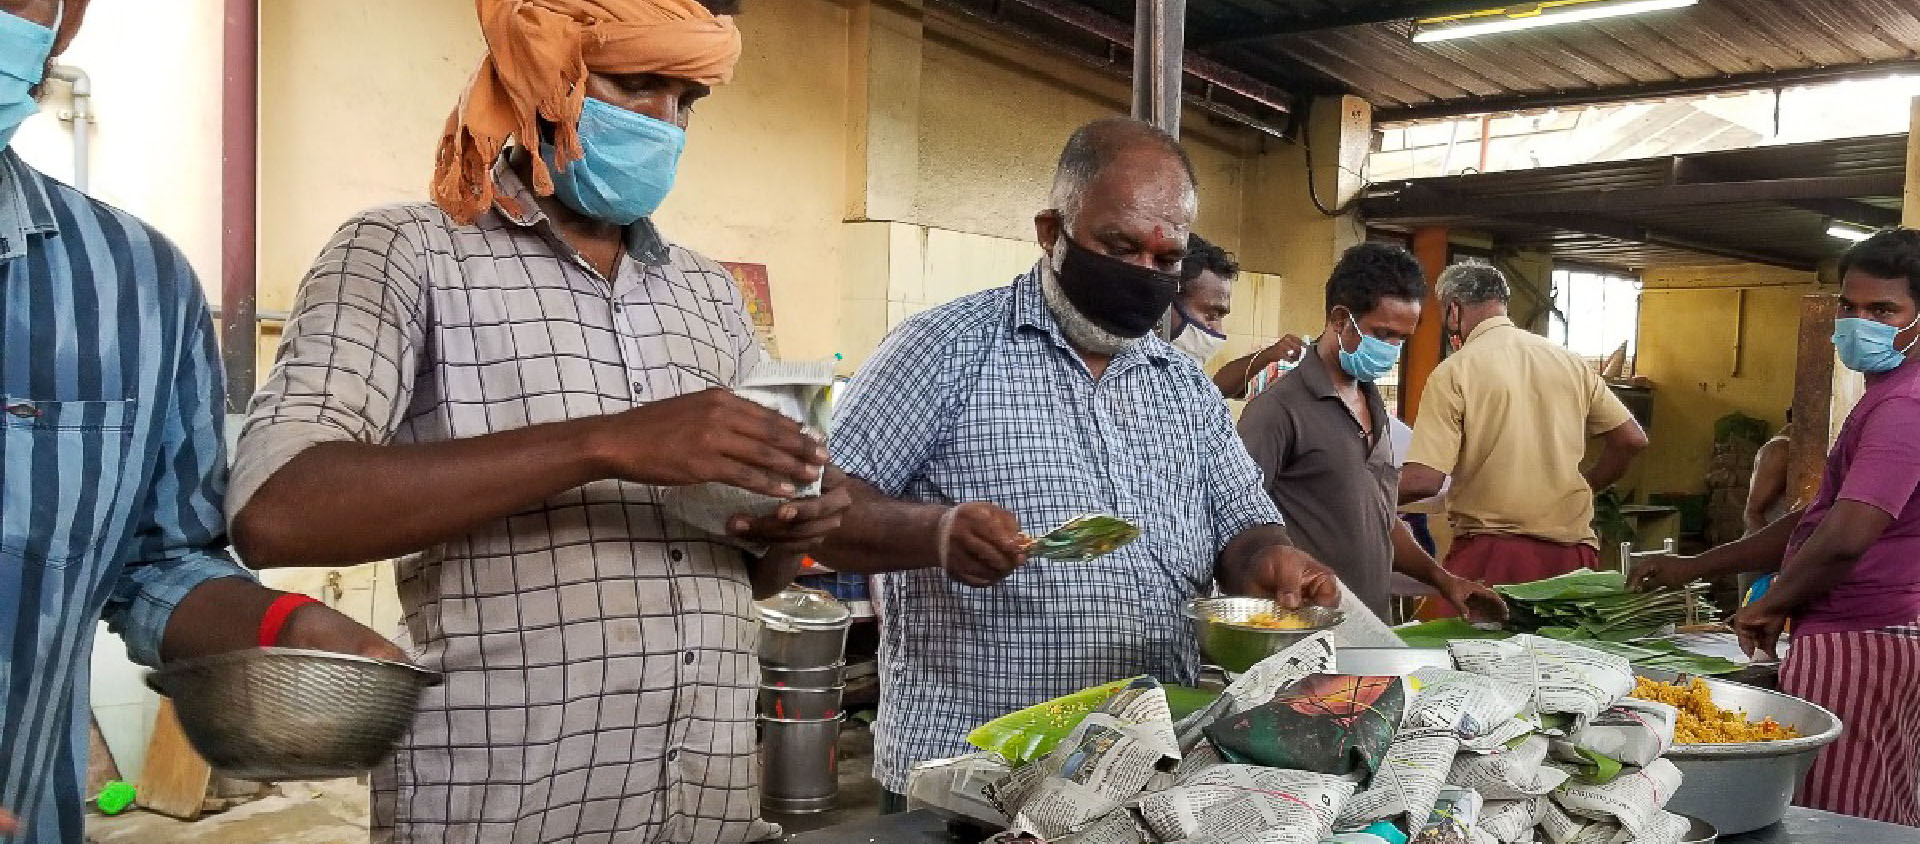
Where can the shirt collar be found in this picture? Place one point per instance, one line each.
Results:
(24, 207)
(1488, 324)
(644, 243)
(1030, 311)
(1311, 368)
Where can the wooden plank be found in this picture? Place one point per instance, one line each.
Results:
(100, 765)
(174, 782)
(1812, 398)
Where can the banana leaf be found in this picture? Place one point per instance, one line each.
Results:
(1437, 633)
(1023, 736)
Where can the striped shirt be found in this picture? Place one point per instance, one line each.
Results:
(599, 654)
(111, 469)
(983, 400)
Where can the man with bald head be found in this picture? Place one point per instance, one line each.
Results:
(495, 387)
(1021, 407)
(112, 463)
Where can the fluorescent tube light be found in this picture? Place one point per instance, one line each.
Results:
(1847, 231)
(1548, 16)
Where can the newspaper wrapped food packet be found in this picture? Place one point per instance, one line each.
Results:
(1231, 803)
(1106, 761)
(1470, 704)
(1312, 655)
(1565, 678)
(1562, 827)
(1453, 819)
(1513, 821)
(1663, 828)
(1515, 773)
(957, 787)
(798, 390)
(1409, 779)
(1633, 732)
(1631, 800)
(1326, 723)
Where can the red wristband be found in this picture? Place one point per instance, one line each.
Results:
(276, 616)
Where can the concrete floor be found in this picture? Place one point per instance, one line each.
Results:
(335, 812)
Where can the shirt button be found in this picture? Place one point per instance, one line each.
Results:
(691, 656)
(617, 307)
(673, 754)
(676, 555)
(638, 388)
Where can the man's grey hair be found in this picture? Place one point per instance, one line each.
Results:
(1472, 284)
(1098, 144)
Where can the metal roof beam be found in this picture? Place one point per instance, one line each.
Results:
(1416, 200)
(1622, 230)
(1204, 101)
(1691, 169)
(1351, 17)
(1121, 35)
(1729, 83)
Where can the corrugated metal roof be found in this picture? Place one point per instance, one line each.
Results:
(1512, 206)
(1715, 45)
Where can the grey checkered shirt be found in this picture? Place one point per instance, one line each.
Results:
(982, 400)
(599, 656)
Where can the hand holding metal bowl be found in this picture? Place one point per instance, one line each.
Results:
(274, 714)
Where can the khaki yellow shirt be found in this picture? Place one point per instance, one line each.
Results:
(1508, 417)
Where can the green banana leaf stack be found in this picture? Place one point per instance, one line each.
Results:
(1595, 609)
(1598, 605)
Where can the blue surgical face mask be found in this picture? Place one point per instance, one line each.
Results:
(1372, 360)
(1867, 346)
(24, 47)
(627, 164)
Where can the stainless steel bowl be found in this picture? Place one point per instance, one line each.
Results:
(1227, 641)
(278, 714)
(1740, 787)
(1699, 832)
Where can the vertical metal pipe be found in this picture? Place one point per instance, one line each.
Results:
(81, 115)
(239, 122)
(1159, 61)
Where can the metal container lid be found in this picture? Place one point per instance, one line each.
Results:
(805, 609)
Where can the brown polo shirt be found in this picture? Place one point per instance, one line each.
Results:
(1335, 485)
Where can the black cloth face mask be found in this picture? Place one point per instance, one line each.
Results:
(1124, 298)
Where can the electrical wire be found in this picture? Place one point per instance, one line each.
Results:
(1305, 135)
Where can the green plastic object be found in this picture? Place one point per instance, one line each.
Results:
(115, 797)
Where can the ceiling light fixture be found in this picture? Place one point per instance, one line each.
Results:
(1533, 15)
(1847, 231)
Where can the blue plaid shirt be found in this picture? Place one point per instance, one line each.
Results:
(983, 400)
(111, 469)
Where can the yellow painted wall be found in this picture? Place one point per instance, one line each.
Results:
(345, 129)
(1687, 348)
(993, 116)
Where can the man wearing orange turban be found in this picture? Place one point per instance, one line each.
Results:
(495, 388)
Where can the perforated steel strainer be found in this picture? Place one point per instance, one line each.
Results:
(278, 714)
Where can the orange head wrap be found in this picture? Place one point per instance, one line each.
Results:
(538, 56)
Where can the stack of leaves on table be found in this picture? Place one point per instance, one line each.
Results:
(1596, 609)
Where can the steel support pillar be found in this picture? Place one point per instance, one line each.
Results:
(1159, 50)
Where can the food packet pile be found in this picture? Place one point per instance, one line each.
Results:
(1525, 741)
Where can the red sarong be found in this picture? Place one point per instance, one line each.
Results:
(1871, 679)
(1498, 558)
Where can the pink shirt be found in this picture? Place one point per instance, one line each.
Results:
(1875, 461)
